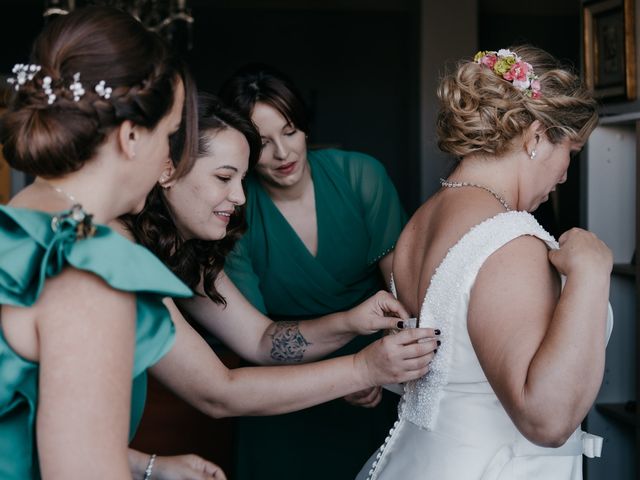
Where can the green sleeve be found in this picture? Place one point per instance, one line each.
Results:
(239, 268)
(384, 216)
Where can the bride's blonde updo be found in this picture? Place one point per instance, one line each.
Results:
(481, 112)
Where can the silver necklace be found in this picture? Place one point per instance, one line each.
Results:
(73, 199)
(84, 222)
(500, 198)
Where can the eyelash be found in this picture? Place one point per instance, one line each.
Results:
(287, 134)
(223, 179)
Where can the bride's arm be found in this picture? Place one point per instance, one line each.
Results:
(542, 350)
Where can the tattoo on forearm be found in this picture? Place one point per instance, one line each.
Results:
(287, 343)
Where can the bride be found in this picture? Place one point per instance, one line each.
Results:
(524, 319)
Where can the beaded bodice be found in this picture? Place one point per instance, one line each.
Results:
(445, 307)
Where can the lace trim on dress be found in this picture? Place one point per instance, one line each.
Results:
(451, 279)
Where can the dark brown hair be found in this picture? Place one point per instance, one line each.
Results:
(101, 44)
(194, 260)
(481, 112)
(259, 83)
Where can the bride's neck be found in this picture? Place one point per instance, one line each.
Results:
(499, 174)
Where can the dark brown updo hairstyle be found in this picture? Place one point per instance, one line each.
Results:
(255, 83)
(101, 44)
(154, 227)
(480, 112)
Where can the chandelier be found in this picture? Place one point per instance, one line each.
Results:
(171, 19)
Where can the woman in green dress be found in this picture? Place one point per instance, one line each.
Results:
(191, 220)
(322, 226)
(82, 312)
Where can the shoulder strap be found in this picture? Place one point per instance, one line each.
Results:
(460, 266)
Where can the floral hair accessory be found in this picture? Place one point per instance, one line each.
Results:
(506, 64)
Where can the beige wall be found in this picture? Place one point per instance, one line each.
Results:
(445, 38)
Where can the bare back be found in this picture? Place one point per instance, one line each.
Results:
(435, 227)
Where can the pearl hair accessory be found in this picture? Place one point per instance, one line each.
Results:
(76, 87)
(46, 86)
(102, 90)
(24, 73)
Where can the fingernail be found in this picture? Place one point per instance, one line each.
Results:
(400, 324)
(436, 331)
(438, 343)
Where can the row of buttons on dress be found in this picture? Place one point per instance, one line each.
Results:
(381, 450)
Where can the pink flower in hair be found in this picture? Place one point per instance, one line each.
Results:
(519, 72)
(535, 89)
(489, 61)
(511, 68)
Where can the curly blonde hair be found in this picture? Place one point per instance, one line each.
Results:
(482, 113)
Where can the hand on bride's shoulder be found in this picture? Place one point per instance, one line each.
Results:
(581, 252)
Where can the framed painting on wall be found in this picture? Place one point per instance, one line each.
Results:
(609, 48)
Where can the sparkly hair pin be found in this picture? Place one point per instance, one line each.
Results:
(26, 72)
(509, 66)
(76, 87)
(23, 73)
(46, 86)
(102, 90)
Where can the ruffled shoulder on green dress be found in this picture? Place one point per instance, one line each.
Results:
(36, 245)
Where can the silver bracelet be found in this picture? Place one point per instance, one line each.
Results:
(149, 469)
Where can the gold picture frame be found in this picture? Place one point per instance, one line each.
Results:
(609, 49)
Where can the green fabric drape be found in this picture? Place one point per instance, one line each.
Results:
(359, 219)
(31, 252)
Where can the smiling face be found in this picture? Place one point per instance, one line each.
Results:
(283, 161)
(203, 200)
(546, 171)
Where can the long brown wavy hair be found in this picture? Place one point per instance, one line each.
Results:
(196, 262)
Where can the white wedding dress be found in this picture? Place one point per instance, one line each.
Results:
(451, 425)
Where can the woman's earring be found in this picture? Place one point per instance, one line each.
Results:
(533, 154)
(163, 182)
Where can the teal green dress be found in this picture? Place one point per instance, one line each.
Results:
(359, 219)
(30, 252)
